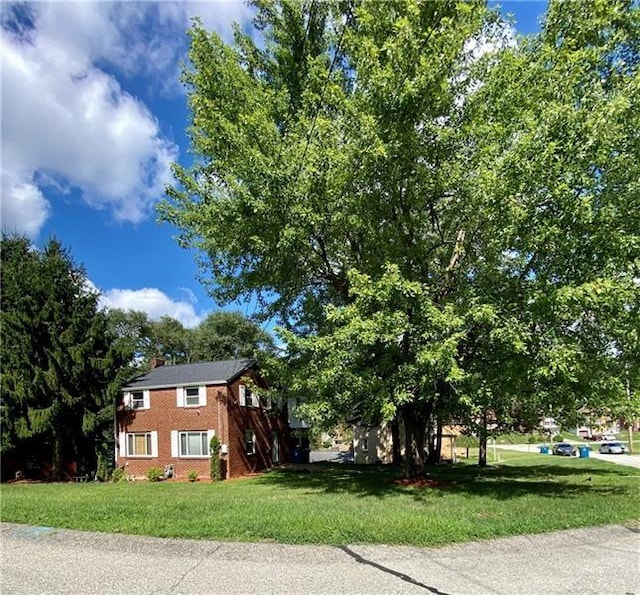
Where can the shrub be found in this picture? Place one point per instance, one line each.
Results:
(155, 474)
(216, 467)
(104, 467)
(192, 475)
(558, 438)
(118, 475)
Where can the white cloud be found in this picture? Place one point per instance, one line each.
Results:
(65, 118)
(152, 301)
(24, 209)
(67, 121)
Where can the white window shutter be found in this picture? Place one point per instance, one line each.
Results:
(255, 399)
(203, 395)
(154, 444)
(147, 401)
(175, 451)
(210, 434)
(122, 444)
(180, 396)
(243, 395)
(127, 400)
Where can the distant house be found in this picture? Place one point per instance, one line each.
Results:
(167, 417)
(374, 444)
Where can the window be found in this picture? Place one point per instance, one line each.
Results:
(142, 444)
(191, 396)
(247, 398)
(194, 444)
(191, 443)
(138, 399)
(365, 444)
(249, 442)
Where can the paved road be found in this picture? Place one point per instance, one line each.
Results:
(586, 561)
(627, 460)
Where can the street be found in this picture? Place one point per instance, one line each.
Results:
(627, 460)
(582, 561)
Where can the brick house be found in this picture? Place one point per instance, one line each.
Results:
(167, 416)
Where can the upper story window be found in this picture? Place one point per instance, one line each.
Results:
(247, 397)
(191, 396)
(137, 399)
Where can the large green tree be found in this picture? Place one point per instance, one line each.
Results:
(229, 335)
(60, 369)
(432, 223)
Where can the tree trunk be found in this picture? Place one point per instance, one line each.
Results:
(482, 456)
(396, 451)
(414, 429)
(438, 449)
(57, 462)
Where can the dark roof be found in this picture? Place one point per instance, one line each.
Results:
(198, 373)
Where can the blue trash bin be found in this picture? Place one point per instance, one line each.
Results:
(544, 450)
(584, 452)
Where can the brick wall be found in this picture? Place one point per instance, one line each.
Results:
(164, 416)
(222, 413)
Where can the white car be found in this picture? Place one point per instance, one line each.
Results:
(612, 448)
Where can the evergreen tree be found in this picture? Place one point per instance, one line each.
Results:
(60, 369)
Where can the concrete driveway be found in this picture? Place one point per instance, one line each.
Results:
(586, 561)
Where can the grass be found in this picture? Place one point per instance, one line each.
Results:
(338, 504)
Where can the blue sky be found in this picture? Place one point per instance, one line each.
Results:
(93, 114)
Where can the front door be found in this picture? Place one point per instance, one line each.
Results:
(275, 447)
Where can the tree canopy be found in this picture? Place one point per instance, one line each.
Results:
(60, 369)
(221, 335)
(445, 219)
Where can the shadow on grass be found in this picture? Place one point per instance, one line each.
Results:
(498, 482)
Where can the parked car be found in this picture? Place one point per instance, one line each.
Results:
(564, 449)
(612, 448)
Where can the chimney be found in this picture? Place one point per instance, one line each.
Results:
(156, 362)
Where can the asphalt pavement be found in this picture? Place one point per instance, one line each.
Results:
(626, 460)
(55, 561)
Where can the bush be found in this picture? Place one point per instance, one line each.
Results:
(118, 475)
(155, 474)
(192, 475)
(558, 438)
(216, 466)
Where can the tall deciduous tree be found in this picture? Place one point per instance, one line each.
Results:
(60, 371)
(229, 335)
(426, 219)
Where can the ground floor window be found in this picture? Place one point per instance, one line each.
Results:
(194, 444)
(139, 445)
(250, 442)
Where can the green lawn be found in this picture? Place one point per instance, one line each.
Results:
(336, 504)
